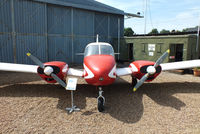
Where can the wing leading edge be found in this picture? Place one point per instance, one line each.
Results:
(18, 67)
(75, 72)
(180, 65)
(33, 69)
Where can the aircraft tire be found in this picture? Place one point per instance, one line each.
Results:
(134, 81)
(100, 104)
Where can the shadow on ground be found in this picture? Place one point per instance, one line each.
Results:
(121, 102)
(7, 78)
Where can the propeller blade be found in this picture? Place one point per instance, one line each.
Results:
(59, 80)
(141, 81)
(36, 60)
(162, 58)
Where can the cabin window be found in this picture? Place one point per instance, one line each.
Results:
(92, 50)
(106, 50)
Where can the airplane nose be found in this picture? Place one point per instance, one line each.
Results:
(99, 69)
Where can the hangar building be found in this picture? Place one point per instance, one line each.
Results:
(54, 29)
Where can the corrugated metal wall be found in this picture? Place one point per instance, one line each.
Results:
(59, 31)
(29, 21)
(6, 47)
(51, 32)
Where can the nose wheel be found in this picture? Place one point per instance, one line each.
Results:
(100, 101)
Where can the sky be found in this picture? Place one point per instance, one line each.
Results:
(161, 14)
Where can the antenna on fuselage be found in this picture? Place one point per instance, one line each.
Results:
(97, 38)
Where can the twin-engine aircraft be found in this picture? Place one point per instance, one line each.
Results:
(99, 69)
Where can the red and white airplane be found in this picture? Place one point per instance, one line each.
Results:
(99, 68)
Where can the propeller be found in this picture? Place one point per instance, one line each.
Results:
(151, 70)
(36, 60)
(47, 70)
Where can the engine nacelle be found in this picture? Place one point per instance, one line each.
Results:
(141, 67)
(59, 68)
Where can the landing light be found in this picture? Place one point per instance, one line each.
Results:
(101, 79)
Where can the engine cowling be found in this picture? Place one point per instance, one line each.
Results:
(59, 68)
(141, 67)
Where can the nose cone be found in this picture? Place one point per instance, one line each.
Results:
(99, 69)
(48, 70)
(151, 70)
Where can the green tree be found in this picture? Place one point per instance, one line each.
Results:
(173, 31)
(164, 31)
(154, 31)
(177, 31)
(128, 32)
(184, 30)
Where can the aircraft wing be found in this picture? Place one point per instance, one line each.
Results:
(165, 67)
(18, 67)
(75, 72)
(125, 71)
(33, 69)
(180, 65)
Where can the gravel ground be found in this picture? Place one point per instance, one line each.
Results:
(170, 104)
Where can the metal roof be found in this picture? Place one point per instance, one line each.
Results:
(131, 15)
(85, 4)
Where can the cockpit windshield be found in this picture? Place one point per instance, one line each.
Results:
(98, 49)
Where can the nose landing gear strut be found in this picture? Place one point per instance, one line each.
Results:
(100, 101)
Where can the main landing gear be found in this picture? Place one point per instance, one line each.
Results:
(134, 81)
(100, 101)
